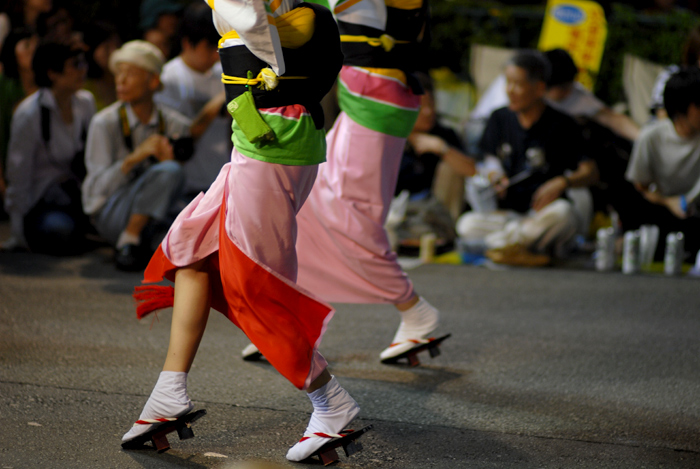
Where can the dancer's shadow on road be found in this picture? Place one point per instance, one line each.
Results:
(149, 458)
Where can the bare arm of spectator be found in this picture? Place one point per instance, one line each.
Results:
(206, 116)
(423, 143)
(585, 175)
(673, 203)
(621, 124)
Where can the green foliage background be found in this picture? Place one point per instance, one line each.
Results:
(459, 23)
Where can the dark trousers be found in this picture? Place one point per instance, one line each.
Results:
(56, 225)
(635, 210)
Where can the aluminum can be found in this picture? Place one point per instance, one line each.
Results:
(481, 194)
(674, 254)
(605, 249)
(630, 253)
(427, 247)
(648, 239)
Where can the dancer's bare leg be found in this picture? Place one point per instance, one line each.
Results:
(322, 380)
(190, 314)
(406, 305)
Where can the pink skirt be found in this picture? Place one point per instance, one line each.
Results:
(343, 248)
(246, 224)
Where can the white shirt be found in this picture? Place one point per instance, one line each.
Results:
(105, 149)
(580, 103)
(33, 165)
(495, 97)
(660, 156)
(187, 91)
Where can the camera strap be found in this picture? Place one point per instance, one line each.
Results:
(126, 128)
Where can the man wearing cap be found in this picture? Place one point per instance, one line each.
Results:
(132, 178)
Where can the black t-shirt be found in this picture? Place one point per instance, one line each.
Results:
(551, 146)
(416, 173)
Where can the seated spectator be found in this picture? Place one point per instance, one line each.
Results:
(101, 39)
(160, 23)
(534, 154)
(608, 138)
(192, 85)
(493, 98)
(689, 58)
(431, 151)
(40, 22)
(567, 95)
(428, 145)
(45, 158)
(132, 178)
(20, 14)
(665, 163)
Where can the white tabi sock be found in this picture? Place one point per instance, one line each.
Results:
(127, 238)
(334, 408)
(417, 323)
(168, 399)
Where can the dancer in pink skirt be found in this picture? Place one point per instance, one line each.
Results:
(343, 248)
(233, 247)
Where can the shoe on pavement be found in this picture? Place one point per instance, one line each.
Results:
(130, 258)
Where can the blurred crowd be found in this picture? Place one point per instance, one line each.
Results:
(104, 139)
(545, 156)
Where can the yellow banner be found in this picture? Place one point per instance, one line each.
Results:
(580, 28)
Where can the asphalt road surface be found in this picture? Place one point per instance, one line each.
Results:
(551, 367)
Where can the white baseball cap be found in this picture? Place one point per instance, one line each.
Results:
(140, 53)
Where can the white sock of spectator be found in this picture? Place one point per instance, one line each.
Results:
(127, 238)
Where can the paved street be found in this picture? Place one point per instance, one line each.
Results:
(557, 368)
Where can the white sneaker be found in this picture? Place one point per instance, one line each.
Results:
(334, 408)
(416, 325)
(251, 353)
(168, 400)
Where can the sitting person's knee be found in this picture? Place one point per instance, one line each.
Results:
(560, 210)
(168, 167)
(169, 173)
(468, 225)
